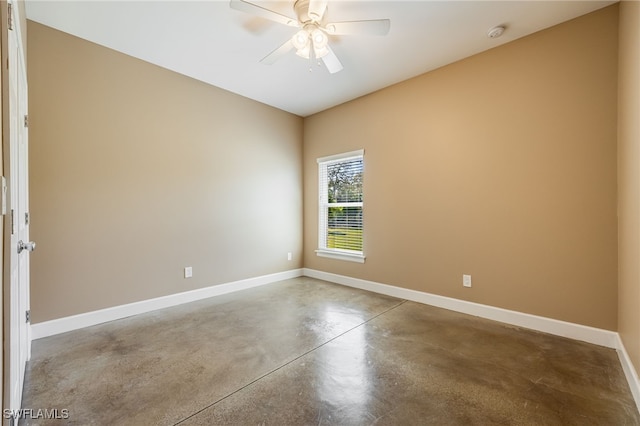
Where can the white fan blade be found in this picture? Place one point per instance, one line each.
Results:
(254, 9)
(332, 62)
(374, 27)
(278, 53)
(316, 9)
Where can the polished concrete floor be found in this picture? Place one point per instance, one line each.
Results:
(306, 352)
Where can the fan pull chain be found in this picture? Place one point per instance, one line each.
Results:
(312, 57)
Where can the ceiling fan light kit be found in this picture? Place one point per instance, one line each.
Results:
(310, 37)
(311, 41)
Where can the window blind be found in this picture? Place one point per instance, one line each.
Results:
(340, 225)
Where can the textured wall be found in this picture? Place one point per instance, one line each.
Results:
(502, 166)
(137, 172)
(629, 179)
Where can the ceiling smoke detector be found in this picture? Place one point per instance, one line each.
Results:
(495, 32)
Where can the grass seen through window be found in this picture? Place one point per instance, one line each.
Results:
(344, 239)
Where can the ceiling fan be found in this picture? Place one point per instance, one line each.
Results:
(311, 40)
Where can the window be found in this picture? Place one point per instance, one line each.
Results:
(340, 206)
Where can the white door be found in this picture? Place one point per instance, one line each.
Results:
(18, 207)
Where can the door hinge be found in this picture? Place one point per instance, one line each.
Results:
(28, 316)
(3, 196)
(10, 16)
(26, 218)
(13, 222)
(26, 120)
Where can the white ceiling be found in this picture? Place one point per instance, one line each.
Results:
(209, 41)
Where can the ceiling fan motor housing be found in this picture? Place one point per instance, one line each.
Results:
(301, 8)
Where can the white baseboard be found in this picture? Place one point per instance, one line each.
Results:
(629, 371)
(609, 339)
(559, 328)
(597, 336)
(74, 322)
(593, 335)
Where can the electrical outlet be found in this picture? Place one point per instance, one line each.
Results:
(289, 256)
(466, 280)
(188, 272)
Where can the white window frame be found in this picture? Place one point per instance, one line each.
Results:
(323, 208)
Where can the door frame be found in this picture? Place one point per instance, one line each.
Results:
(15, 300)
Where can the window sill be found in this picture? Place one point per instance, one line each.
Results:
(339, 255)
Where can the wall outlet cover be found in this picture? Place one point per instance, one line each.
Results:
(466, 280)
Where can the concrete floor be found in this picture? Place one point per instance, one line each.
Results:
(304, 351)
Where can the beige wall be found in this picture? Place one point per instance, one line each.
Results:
(137, 172)
(502, 166)
(629, 179)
